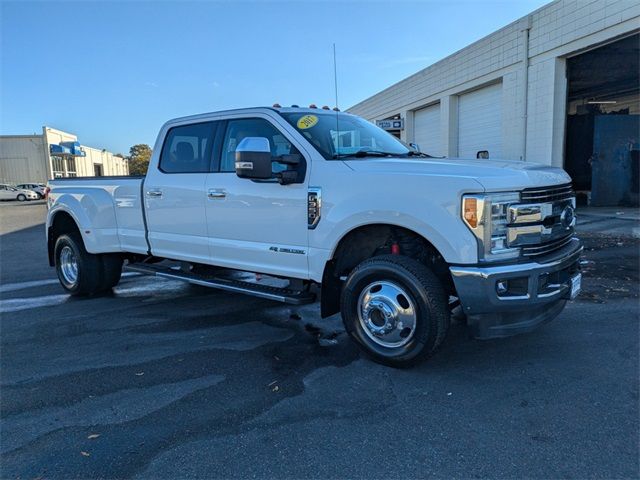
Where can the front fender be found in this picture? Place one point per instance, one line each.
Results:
(458, 247)
(429, 206)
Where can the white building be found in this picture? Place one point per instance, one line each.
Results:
(559, 86)
(54, 154)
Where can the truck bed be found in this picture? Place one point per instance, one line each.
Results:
(110, 211)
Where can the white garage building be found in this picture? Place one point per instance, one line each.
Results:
(54, 154)
(559, 86)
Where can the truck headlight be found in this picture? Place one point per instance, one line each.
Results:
(486, 215)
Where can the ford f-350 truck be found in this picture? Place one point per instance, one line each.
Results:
(321, 201)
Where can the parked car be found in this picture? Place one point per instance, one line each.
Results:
(391, 238)
(8, 192)
(39, 188)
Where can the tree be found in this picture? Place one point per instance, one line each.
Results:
(139, 156)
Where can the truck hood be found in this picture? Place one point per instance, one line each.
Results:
(493, 175)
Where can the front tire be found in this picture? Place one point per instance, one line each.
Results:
(79, 272)
(21, 197)
(396, 310)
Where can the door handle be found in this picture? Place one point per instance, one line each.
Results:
(216, 193)
(154, 193)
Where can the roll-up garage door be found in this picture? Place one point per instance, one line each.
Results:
(427, 135)
(480, 122)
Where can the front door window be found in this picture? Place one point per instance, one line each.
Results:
(237, 130)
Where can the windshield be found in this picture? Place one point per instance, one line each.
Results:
(340, 135)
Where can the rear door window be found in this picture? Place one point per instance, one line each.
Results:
(188, 148)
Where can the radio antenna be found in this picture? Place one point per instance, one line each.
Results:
(335, 74)
(335, 86)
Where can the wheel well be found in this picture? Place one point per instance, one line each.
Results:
(62, 223)
(371, 240)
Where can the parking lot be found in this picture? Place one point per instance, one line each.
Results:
(166, 380)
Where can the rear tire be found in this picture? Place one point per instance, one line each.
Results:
(395, 309)
(21, 197)
(79, 272)
(112, 270)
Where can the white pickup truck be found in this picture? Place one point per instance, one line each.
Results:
(325, 202)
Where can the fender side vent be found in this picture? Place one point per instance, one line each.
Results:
(314, 207)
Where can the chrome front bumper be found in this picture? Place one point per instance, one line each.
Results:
(539, 294)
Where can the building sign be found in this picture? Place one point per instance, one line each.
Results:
(391, 124)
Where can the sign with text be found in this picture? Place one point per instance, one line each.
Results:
(391, 124)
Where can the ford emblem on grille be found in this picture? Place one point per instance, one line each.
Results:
(567, 216)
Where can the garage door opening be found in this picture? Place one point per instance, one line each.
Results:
(603, 124)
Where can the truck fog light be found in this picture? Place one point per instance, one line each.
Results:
(502, 287)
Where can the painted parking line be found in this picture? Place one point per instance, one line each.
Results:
(157, 288)
(17, 304)
(12, 287)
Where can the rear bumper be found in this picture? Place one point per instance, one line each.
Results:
(536, 293)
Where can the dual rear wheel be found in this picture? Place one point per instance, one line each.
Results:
(84, 273)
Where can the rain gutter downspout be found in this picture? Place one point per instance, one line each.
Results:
(525, 90)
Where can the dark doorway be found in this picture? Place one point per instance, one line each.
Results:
(393, 125)
(395, 133)
(97, 169)
(603, 126)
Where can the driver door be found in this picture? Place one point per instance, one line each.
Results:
(256, 225)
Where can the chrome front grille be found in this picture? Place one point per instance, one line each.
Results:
(547, 194)
(544, 220)
(546, 248)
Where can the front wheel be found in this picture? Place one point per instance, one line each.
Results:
(395, 309)
(21, 197)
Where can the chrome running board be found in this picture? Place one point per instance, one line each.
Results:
(284, 295)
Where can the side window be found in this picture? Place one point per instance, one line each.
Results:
(188, 148)
(237, 130)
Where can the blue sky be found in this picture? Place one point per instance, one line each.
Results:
(113, 72)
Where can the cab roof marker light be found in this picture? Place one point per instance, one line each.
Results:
(295, 106)
(276, 105)
(336, 109)
(325, 107)
(313, 105)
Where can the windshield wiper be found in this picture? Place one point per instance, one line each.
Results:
(364, 153)
(413, 153)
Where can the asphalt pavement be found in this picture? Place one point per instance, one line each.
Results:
(165, 380)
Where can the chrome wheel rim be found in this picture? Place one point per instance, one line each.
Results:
(387, 314)
(69, 265)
